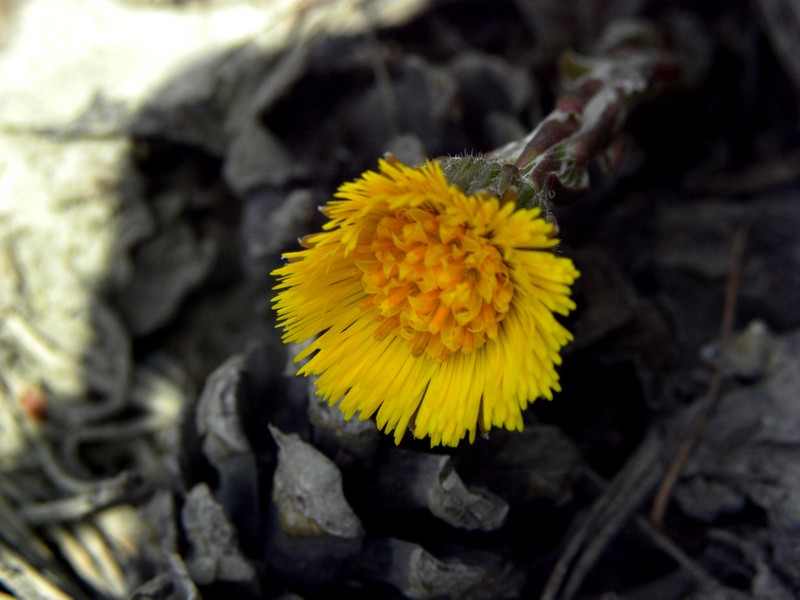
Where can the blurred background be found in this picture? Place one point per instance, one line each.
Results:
(157, 157)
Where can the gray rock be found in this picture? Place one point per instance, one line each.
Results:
(214, 554)
(224, 444)
(751, 447)
(411, 480)
(420, 575)
(307, 491)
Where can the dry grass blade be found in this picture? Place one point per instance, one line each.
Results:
(613, 509)
(605, 518)
(728, 312)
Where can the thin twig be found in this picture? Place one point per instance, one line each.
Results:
(659, 539)
(728, 312)
(606, 517)
(619, 500)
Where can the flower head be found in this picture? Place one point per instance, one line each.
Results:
(430, 307)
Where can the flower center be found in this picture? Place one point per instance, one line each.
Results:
(434, 281)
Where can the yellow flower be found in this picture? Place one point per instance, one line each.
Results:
(431, 307)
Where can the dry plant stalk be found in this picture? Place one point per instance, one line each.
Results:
(600, 92)
(715, 386)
